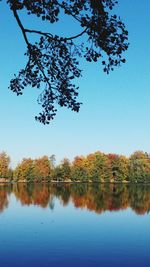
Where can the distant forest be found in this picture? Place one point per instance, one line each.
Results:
(95, 167)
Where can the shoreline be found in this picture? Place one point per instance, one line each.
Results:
(7, 182)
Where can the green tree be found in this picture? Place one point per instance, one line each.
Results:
(66, 169)
(53, 60)
(42, 169)
(25, 170)
(119, 167)
(52, 161)
(4, 165)
(139, 167)
(79, 170)
(57, 174)
(99, 168)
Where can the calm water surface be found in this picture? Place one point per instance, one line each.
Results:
(74, 225)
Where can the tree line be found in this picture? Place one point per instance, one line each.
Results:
(95, 167)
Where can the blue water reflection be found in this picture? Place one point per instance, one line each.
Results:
(58, 234)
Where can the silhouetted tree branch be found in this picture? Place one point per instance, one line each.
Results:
(53, 61)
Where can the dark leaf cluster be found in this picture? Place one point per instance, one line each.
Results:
(52, 63)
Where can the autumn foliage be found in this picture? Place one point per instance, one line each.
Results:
(95, 167)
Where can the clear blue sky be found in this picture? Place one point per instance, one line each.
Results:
(115, 116)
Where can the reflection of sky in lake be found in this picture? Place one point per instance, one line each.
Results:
(33, 236)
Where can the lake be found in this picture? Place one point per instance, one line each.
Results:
(74, 225)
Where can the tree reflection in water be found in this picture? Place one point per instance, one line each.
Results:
(94, 197)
